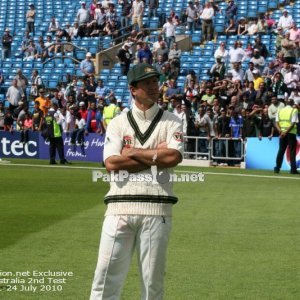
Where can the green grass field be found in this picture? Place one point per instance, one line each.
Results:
(234, 237)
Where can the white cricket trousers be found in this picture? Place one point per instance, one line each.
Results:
(121, 235)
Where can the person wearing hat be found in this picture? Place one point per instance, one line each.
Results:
(30, 17)
(285, 21)
(82, 17)
(258, 80)
(258, 60)
(83, 110)
(87, 66)
(124, 56)
(139, 213)
(6, 44)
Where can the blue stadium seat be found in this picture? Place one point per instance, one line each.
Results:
(122, 84)
(196, 38)
(105, 72)
(79, 73)
(80, 54)
(111, 84)
(45, 77)
(272, 4)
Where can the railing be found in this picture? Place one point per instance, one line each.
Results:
(217, 149)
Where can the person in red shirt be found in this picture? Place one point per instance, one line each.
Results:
(83, 111)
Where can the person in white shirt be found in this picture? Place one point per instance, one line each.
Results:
(237, 54)
(14, 95)
(248, 73)
(221, 52)
(83, 14)
(275, 106)
(139, 213)
(207, 22)
(291, 78)
(169, 31)
(237, 72)
(295, 95)
(174, 53)
(180, 112)
(105, 4)
(53, 26)
(258, 60)
(252, 28)
(285, 21)
(191, 14)
(137, 11)
(156, 44)
(78, 133)
(69, 120)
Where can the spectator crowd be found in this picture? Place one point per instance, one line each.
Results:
(245, 90)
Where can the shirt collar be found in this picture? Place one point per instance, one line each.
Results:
(145, 115)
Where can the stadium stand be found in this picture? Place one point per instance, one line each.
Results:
(65, 49)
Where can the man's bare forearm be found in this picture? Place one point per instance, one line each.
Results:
(162, 158)
(122, 162)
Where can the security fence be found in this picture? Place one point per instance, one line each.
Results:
(216, 149)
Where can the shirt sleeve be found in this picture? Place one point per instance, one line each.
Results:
(175, 135)
(295, 118)
(113, 140)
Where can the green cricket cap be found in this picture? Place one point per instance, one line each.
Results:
(141, 71)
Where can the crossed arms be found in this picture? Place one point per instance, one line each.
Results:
(136, 159)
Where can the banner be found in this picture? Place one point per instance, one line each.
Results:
(37, 147)
(261, 154)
